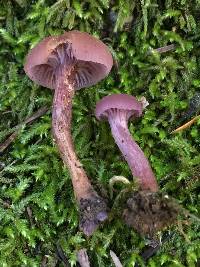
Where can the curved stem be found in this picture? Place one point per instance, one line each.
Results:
(133, 154)
(92, 207)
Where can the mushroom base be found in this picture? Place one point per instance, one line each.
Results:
(148, 212)
(93, 211)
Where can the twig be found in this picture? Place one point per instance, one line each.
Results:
(36, 115)
(30, 215)
(186, 125)
(13, 136)
(82, 257)
(162, 49)
(115, 259)
(8, 141)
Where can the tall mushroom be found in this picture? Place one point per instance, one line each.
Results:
(66, 63)
(118, 109)
(147, 210)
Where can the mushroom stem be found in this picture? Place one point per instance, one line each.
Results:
(92, 207)
(132, 153)
(62, 114)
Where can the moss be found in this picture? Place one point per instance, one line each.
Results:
(37, 206)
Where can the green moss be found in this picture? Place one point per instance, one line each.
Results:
(37, 206)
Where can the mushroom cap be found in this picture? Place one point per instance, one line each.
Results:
(93, 59)
(124, 102)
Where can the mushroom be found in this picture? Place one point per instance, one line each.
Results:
(118, 109)
(146, 210)
(67, 63)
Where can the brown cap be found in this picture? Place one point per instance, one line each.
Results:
(124, 102)
(93, 59)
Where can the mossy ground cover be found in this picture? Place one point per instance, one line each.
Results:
(38, 211)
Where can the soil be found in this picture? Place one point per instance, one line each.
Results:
(148, 212)
(93, 211)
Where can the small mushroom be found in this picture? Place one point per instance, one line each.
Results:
(146, 210)
(66, 63)
(118, 109)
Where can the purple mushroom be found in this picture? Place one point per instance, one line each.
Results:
(118, 109)
(65, 64)
(146, 210)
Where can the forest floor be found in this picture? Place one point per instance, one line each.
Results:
(155, 45)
